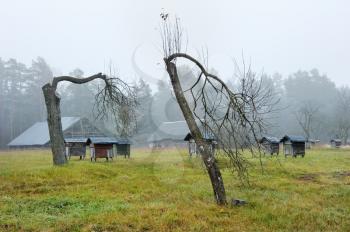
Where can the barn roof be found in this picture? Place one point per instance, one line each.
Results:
(170, 130)
(293, 138)
(336, 140)
(270, 139)
(38, 134)
(176, 130)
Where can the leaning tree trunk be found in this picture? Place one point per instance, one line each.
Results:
(204, 148)
(52, 102)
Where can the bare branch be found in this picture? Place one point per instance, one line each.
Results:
(236, 118)
(75, 80)
(306, 117)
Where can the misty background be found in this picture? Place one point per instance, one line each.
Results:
(299, 47)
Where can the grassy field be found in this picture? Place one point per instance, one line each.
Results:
(167, 191)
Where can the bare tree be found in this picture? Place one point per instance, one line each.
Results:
(126, 120)
(235, 118)
(307, 117)
(115, 93)
(342, 118)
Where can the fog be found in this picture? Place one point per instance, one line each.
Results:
(300, 48)
(277, 36)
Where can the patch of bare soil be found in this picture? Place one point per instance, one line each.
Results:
(308, 177)
(341, 174)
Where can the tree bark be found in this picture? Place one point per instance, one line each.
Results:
(52, 102)
(204, 148)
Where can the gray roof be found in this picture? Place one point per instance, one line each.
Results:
(176, 130)
(108, 140)
(170, 130)
(270, 139)
(38, 134)
(76, 140)
(207, 136)
(293, 138)
(123, 141)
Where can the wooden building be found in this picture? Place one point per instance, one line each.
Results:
(192, 146)
(177, 134)
(336, 143)
(169, 134)
(270, 145)
(293, 145)
(76, 147)
(108, 147)
(310, 143)
(101, 147)
(37, 136)
(123, 147)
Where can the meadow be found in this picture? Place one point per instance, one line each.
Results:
(168, 191)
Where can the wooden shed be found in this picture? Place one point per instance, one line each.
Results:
(76, 147)
(101, 147)
(336, 143)
(123, 147)
(270, 145)
(37, 136)
(310, 143)
(192, 146)
(177, 133)
(169, 134)
(293, 145)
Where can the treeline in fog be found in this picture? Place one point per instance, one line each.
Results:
(309, 103)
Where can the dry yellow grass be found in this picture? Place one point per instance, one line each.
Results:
(167, 191)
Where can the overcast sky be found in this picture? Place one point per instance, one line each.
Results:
(276, 35)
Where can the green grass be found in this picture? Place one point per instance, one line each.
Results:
(167, 191)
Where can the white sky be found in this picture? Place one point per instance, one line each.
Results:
(276, 35)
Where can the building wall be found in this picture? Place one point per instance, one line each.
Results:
(294, 148)
(271, 147)
(76, 149)
(102, 150)
(123, 149)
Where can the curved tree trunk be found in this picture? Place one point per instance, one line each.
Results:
(113, 95)
(204, 148)
(52, 102)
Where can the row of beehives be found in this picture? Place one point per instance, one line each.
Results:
(292, 145)
(100, 147)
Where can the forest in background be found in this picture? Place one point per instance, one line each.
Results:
(309, 103)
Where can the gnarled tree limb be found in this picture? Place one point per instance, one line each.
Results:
(76, 80)
(114, 96)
